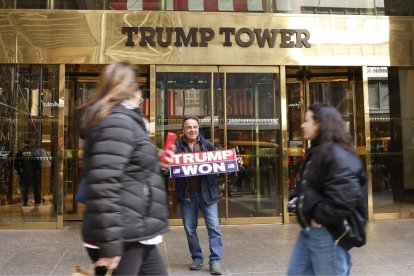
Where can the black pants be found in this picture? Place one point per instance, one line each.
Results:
(25, 181)
(138, 259)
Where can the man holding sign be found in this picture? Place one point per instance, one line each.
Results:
(199, 193)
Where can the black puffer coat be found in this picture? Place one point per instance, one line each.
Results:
(126, 199)
(330, 188)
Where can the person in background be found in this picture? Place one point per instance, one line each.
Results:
(126, 204)
(199, 193)
(28, 165)
(329, 190)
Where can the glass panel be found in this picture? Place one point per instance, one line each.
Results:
(29, 163)
(328, 85)
(362, 7)
(295, 115)
(7, 4)
(81, 81)
(221, 5)
(334, 92)
(178, 95)
(392, 133)
(31, 4)
(253, 120)
(134, 5)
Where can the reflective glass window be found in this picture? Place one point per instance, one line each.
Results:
(29, 161)
(217, 5)
(392, 143)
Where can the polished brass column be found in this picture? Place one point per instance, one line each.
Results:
(284, 123)
(153, 101)
(51, 4)
(368, 141)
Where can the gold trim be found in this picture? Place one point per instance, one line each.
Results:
(212, 106)
(153, 100)
(30, 225)
(226, 180)
(249, 69)
(388, 216)
(186, 69)
(253, 220)
(285, 149)
(368, 141)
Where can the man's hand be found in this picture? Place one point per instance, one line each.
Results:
(169, 158)
(239, 161)
(109, 263)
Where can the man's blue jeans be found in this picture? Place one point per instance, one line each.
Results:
(189, 213)
(315, 253)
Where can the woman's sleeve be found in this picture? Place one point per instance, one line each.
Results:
(342, 192)
(109, 153)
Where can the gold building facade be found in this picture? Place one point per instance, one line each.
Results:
(249, 77)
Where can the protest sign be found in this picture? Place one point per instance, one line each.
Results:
(204, 162)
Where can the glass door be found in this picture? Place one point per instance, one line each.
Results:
(29, 161)
(81, 82)
(328, 85)
(249, 120)
(237, 108)
(183, 91)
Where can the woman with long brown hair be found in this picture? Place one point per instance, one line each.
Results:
(126, 204)
(330, 190)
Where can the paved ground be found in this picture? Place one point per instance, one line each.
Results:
(249, 250)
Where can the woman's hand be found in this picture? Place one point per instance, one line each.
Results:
(109, 263)
(315, 224)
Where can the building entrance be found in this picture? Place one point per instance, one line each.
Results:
(340, 87)
(238, 107)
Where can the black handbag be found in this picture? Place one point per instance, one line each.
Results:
(354, 234)
(355, 225)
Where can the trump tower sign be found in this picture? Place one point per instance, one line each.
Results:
(202, 163)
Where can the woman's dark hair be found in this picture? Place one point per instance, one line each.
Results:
(331, 131)
(331, 126)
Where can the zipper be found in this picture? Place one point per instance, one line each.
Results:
(302, 196)
(344, 233)
(300, 211)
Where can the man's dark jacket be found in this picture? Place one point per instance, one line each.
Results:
(331, 189)
(209, 186)
(125, 194)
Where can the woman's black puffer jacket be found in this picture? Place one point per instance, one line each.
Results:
(331, 188)
(126, 199)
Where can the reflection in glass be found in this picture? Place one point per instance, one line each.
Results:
(178, 95)
(253, 128)
(295, 115)
(28, 143)
(81, 82)
(334, 92)
(362, 7)
(392, 132)
(220, 5)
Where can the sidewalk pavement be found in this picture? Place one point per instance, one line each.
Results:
(248, 250)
